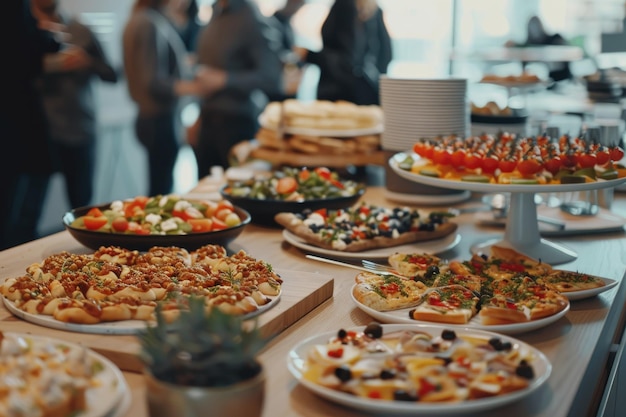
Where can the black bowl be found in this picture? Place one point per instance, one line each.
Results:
(94, 239)
(263, 211)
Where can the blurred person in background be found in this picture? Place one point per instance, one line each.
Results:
(184, 16)
(356, 51)
(68, 96)
(238, 67)
(157, 75)
(292, 65)
(26, 162)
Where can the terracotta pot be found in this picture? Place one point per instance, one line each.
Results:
(241, 399)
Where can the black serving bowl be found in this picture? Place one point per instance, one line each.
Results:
(263, 211)
(94, 239)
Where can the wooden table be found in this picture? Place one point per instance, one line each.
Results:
(577, 345)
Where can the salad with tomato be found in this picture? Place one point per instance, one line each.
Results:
(295, 184)
(511, 159)
(160, 215)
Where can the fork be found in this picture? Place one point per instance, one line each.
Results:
(381, 268)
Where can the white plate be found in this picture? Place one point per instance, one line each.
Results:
(104, 398)
(580, 295)
(430, 246)
(402, 317)
(298, 356)
(489, 188)
(114, 327)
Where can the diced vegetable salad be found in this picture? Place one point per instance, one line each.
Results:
(160, 215)
(295, 184)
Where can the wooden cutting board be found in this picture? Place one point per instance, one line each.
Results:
(301, 293)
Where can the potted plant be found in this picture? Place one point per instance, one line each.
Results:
(202, 363)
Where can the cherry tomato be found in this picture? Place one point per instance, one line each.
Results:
(472, 161)
(553, 165)
(489, 164)
(200, 225)
(457, 159)
(286, 185)
(529, 166)
(94, 222)
(420, 149)
(568, 160)
(181, 215)
(616, 154)
(507, 165)
(441, 156)
(323, 172)
(95, 212)
(304, 174)
(603, 156)
(120, 224)
(586, 160)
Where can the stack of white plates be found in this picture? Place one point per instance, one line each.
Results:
(422, 108)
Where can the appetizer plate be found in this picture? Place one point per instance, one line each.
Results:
(263, 211)
(581, 295)
(126, 327)
(433, 247)
(297, 359)
(394, 163)
(94, 239)
(401, 316)
(103, 399)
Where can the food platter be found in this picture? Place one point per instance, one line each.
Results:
(401, 316)
(95, 239)
(522, 230)
(430, 246)
(126, 327)
(263, 211)
(106, 397)
(297, 359)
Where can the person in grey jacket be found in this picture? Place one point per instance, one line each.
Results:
(154, 63)
(239, 65)
(67, 90)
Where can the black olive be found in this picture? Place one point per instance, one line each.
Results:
(342, 334)
(496, 343)
(374, 330)
(431, 271)
(343, 373)
(427, 227)
(448, 334)
(402, 395)
(387, 374)
(525, 370)
(506, 346)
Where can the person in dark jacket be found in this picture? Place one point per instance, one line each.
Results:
(356, 51)
(239, 67)
(69, 99)
(24, 131)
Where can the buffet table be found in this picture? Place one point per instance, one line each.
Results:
(578, 345)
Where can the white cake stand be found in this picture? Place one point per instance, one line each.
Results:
(522, 231)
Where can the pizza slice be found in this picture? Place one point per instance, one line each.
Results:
(386, 292)
(452, 304)
(469, 281)
(569, 281)
(364, 227)
(416, 264)
(519, 299)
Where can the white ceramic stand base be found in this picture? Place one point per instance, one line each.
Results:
(522, 234)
